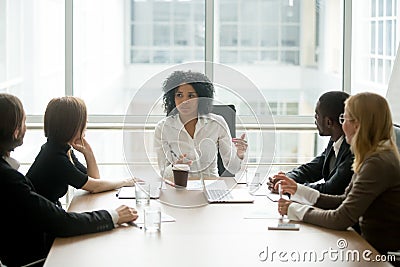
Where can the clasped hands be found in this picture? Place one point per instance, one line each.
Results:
(288, 185)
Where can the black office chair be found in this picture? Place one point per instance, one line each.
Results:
(228, 112)
(397, 134)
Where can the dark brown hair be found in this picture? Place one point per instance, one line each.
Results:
(64, 118)
(12, 115)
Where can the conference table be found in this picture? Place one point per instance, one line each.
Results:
(208, 235)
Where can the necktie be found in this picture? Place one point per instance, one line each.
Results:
(332, 160)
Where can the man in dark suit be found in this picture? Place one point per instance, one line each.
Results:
(334, 164)
(28, 221)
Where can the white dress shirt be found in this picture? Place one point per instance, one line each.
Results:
(307, 197)
(336, 145)
(12, 162)
(211, 134)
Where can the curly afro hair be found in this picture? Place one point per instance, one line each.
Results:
(201, 84)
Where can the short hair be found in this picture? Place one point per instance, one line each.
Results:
(64, 118)
(373, 114)
(201, 84)
(12, 115)
(331, 104)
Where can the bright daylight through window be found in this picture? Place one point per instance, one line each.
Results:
(292, 50)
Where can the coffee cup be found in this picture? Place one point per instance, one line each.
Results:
(181, 172)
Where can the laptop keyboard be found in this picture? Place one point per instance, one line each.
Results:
(219, 194)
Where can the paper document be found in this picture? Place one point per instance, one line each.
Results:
(197, 185)
(275, 197)
(164, 218)
(128, 192)
(262, 213)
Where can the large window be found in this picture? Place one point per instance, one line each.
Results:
(32, 51)
(375, 41)
(291, 50)
(166, 31)
(256, 31)
(32, 61)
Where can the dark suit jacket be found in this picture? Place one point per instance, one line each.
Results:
(29, 222)
(336, 180)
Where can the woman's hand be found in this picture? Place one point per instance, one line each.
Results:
(126, 214)
(129, 182)
(183, 160)
(241, 145)
(288, 185)
(283, 206)
(81, 145)
(132, 181)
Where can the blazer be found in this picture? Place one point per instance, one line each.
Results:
(29, 222)
(372, 198)
(336, 180)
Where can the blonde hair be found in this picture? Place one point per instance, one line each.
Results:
(375, 131)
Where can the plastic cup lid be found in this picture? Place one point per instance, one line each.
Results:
(181, 167)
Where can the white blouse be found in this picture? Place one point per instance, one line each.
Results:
(211, 134)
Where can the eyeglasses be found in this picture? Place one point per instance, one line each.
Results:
(342, 119)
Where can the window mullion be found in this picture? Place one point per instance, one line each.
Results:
(69, 89)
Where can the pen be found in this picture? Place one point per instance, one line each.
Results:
(169, 182)
(172, 152)
(117, 194)
(134, 225)
(176, 156)
(280, 193)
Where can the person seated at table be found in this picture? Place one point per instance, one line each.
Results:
(56, 165)
(334, 164)
(29, 221)
(191, 133)
(373, 195)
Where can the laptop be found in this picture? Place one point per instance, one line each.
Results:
(218, 192)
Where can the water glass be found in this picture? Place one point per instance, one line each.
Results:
(142, 193)
(152, 219)
(254, 183)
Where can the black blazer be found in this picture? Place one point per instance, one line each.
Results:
(336, 181)
(29, 222)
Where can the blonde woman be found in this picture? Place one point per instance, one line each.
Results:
(56, 165)
(373, 195)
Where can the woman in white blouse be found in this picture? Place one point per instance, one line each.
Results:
(190, 133)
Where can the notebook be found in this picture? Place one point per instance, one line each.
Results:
(275, 197)
(128, 192)
(218, 192)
